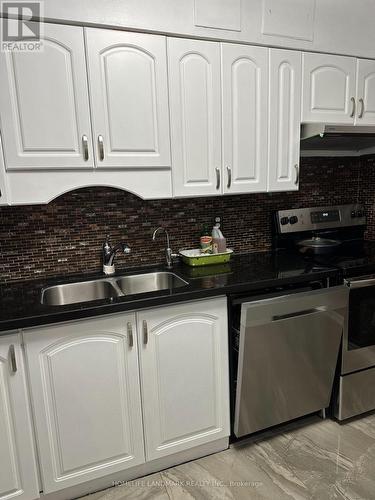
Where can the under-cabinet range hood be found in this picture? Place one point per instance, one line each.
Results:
(319, 139)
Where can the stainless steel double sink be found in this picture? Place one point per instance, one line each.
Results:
(107, 288)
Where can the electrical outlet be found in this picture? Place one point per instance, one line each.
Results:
(218, 220)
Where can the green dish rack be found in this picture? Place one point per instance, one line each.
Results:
(195, 257)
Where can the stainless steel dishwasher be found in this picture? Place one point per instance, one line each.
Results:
(287, 355)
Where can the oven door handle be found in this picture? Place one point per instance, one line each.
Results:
(360, 283)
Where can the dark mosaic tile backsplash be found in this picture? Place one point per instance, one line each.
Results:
(65, 236)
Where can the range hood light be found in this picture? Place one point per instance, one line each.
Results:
(319, 139)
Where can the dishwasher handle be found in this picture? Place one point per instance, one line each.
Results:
(289, 306)
(360, 283)
(299, 313)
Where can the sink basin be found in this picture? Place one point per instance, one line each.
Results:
(149, 282)
(72, 293)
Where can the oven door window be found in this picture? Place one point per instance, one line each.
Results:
(361, 318)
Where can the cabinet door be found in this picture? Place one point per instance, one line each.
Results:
(184, 371)
(3, 181)
(245, 107)
(129, 98)
(195, 106)
(44, 105)
(328, 88)
(86, 395)
(284, 120)
(365, 92)
(18, 470)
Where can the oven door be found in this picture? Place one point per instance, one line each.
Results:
(359, 339)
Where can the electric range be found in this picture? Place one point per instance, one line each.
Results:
(354, 258)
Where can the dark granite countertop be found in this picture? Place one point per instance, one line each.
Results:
(20, 303)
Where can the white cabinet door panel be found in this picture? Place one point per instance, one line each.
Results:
(129, 98)
(3, 178)
(85, 387)
(184, 370)
(328, 88)
(44, 107)
(284, 120)
(365, 92)
(245, 107)
(18, 469)
(195, 106)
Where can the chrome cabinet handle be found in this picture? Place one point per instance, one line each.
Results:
(145, 332)
(12, 359)
(297, 174)
(101, 147)
(362, 108)
(229, 171)
(217, 170)
(353, 107)
(129, 329)
(85, 145)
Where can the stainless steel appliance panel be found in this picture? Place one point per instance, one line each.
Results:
(288, 352)
(320, 218)
(358, 350)
(356, 394)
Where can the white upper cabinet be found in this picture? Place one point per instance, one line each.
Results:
(3, 186)
(18, 471)
(284, 120)
(195, 110)
(245, 108)
(129, 98)
(86, 397)
(184, 369)
(44, 108)
(329, 89)
(365, 92)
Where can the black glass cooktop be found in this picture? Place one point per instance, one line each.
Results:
(353, 258)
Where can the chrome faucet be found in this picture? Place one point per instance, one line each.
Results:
(109, 254)
(169, 255)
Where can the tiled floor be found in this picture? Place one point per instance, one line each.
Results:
(311, 459)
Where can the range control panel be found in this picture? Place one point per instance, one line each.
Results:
(313, 219)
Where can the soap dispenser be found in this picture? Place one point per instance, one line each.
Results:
(219, 243)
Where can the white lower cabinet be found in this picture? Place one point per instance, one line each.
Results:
(98, 412)
(18, 470)
(184, 373)
(86, 398)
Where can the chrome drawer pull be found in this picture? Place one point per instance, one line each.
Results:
(217, 170)
(362, 109)
(12, 359)
(297, 174)
(85, 144)
(101, 147)
(145, 332)
(229, 183)
(130, 334)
